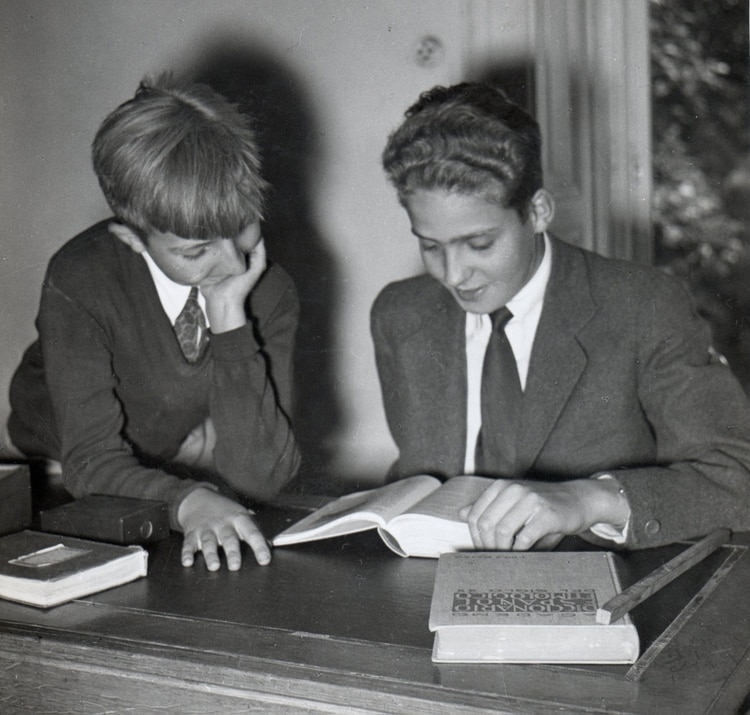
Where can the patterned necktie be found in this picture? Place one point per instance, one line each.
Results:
(190, 327)
(501, 403)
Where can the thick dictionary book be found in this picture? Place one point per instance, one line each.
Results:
(45, 570)
(528, 607)
(416, 516)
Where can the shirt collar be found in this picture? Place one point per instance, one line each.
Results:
(526, 303)
(530, 298)
(172, 296)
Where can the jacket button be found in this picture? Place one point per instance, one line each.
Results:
(652, 527)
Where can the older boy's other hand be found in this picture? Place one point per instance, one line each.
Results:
(225, 298)
(211, 521)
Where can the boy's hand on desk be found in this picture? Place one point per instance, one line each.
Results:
(520, 515)
(209, 521)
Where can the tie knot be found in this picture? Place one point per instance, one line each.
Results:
(193, 293)
(500, 319)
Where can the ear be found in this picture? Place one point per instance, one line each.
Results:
(542, 210)
(127, 236)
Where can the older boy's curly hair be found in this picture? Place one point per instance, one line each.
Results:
(468, 138)
(179, 158)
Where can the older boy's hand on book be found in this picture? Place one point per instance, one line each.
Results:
(211, 521)
(521, 515)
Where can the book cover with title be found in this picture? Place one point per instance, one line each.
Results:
(528, 607)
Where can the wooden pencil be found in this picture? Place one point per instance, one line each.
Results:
(618, 606)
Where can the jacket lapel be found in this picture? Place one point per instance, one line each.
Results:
(557, 358)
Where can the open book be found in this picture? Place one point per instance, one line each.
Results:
(416, 516)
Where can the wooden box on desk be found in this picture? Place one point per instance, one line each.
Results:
(15, 498)
(118, 520)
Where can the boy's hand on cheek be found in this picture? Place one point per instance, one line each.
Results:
(211, 521)
(225, 299)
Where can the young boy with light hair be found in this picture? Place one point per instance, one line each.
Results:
(163, 364)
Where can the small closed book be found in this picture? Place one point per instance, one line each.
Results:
(120, 520)
(416, 516)
(528, 607)
(45, 570)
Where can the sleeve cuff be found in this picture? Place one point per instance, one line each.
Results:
(611, 532)
(235, 345)
(189, 486)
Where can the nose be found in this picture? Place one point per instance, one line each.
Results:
(454, 270)
(231, 260)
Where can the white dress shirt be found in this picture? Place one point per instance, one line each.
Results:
(526, 307)
(172, 296)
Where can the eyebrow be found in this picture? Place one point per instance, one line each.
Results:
(182, 248)
(458, 239)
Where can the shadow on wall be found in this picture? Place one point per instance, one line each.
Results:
(516, 80)
(266, 89)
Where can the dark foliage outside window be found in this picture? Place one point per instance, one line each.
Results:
(701, 152)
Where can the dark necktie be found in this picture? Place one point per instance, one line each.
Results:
(190, 327)
(501, 403)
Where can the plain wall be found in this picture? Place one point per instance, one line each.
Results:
(330, 78)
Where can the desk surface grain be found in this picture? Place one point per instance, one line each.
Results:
(341, 626)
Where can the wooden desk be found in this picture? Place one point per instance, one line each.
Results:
(341, 626)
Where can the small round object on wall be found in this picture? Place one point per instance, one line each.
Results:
(429, 51)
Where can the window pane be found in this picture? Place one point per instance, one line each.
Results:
(701, 205)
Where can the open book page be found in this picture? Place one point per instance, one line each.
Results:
(359, 511)
(432, 526)
(453, 495)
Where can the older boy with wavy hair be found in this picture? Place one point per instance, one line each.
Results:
(586, 387)
(163, 364)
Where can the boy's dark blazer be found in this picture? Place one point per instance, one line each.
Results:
(622, 378)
